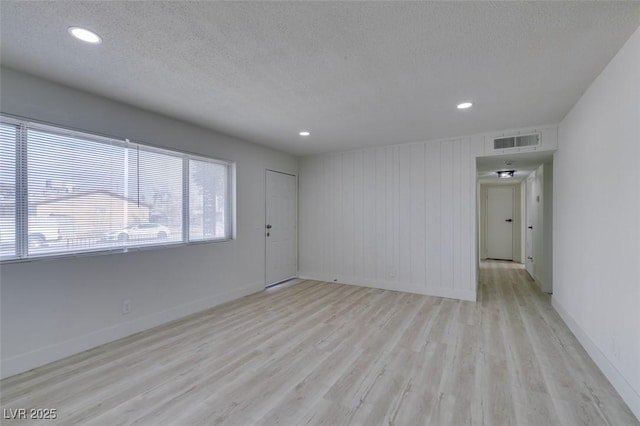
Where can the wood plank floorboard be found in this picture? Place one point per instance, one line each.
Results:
(317, 353)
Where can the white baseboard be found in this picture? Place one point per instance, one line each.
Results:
(42, 356)
(450, 293)
(624, 388)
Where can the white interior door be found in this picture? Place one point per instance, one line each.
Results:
(531, 223)
(281, 225)
(500, 222)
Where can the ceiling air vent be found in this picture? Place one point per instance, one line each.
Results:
(517, 141)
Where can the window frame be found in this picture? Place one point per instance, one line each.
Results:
(23, 125)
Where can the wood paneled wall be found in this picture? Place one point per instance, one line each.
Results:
(397, 217)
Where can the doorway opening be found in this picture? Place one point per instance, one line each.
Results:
(500, 220)
(515, 215)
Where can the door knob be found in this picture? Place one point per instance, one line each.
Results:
(509, 220)
(269, 226)
(530, 227)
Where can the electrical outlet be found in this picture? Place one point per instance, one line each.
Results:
(392, 273)
(126, 307)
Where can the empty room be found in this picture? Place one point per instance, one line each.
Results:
(305, 213)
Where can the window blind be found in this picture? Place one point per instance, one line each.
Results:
(8, 136)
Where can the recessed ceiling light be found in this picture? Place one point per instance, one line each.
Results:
(304, 133)
(465, 105)
(85, 35)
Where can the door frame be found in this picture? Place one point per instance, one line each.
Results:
(517, 213)
(541, 202)
(531, 219)
(264, 230)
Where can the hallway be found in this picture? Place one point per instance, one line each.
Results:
(551, 379)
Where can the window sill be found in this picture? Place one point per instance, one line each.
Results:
(119, 250)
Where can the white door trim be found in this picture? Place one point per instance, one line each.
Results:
(500, 214)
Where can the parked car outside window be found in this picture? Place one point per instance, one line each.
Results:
(144, 231)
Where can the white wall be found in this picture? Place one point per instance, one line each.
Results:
(546, 273)
(596, 221)
(54, 308)
(396, 217)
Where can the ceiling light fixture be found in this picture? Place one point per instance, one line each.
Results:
(465, 105)
(85, 35)
(505, 174)
(304, 133)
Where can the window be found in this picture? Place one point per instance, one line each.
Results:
(81, 193)
(208, 195)
(8, 136)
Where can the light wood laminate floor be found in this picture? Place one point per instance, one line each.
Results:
(324, 353)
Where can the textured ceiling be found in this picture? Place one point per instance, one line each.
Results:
(355, 74)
